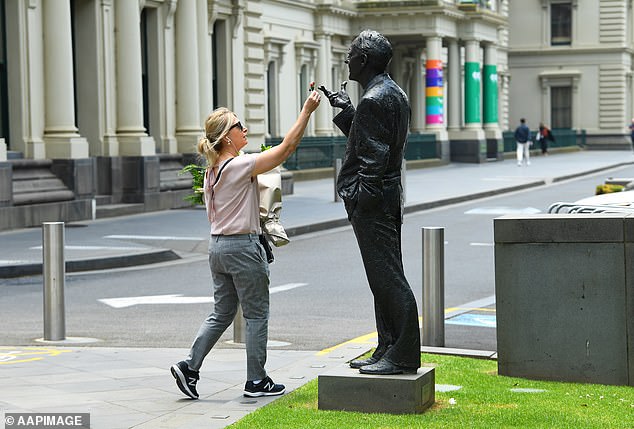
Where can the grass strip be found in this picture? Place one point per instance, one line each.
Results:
(485, 400)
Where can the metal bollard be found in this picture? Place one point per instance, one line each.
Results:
(433, 333)
(337, 170)
(239, 327)
(54, 273)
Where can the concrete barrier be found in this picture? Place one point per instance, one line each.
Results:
(564, 288)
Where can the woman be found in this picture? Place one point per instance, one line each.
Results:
(239, 268)
(543, 135)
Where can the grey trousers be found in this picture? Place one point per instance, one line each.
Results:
(240, 274)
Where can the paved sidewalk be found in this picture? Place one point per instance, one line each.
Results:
(132, 387)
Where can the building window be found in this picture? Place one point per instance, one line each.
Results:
(271, 99)
(561, 106)
(303, 85)
(560, 24)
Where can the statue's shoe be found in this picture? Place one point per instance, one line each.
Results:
(383, 367)
(358, 363)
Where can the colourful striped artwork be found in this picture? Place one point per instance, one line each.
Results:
(434, 92)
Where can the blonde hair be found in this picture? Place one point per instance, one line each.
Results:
(217, 127)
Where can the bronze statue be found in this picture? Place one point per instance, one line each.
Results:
(370, 185)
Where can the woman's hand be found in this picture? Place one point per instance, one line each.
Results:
(273, 157)
(312, 102)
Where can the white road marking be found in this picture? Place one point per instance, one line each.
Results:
(503, 210)
(152, 237)
(131, 301)
(91, 248)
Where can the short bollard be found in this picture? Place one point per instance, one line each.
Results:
(337, 170)
(433, 333)
(239, 328)
(54, 273)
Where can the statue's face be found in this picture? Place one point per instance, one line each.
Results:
(355, 60)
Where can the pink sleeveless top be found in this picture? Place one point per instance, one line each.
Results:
(233, 202)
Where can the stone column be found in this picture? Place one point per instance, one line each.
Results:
(417, 100)
(204, 65)
(472, 76)
(490, 87)
(495, 143)
(454, 105)
(323, 125)
(434, 96)
(132, 136)
(469, 144)
(434, 85)
(188, 121)
(60, 133)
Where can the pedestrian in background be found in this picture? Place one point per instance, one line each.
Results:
(237, 258)
(544, 135)
(631, 127)
(523, 141)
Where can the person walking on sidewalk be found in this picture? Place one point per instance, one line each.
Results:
(631, 127)
(370, 185)
(523, 141)
(237, 259)
(543, 136)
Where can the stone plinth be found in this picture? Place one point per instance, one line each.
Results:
(345, 389)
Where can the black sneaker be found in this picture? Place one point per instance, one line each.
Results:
(265, 387)
(186, 379)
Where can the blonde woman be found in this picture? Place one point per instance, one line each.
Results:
(238, 263)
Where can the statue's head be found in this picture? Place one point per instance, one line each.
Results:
(369, 51)
(375, 46)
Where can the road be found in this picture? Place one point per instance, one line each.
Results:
(319, 298)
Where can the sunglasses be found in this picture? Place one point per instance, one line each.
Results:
(237, 124)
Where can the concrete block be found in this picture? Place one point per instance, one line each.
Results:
(77, 174)
(629, 307)
(560, 228)
(345, 389)
(141, 177)
(469, 151)
(6, 188)
(564, 309)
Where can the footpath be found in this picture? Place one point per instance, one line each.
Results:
(132, 387)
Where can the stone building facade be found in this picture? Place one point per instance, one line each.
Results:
(102, 101)
(571, 66)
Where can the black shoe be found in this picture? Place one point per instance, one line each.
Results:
(265, 387)
(383, 367)
(186, 379)
(358, 363)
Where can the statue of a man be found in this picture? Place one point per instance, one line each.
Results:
(370, 185)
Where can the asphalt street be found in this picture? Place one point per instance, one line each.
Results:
(130, 384)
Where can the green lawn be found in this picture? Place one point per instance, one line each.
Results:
(486, 400)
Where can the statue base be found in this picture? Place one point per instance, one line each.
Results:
(345, 389)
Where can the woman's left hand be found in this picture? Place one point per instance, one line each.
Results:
(312, 102)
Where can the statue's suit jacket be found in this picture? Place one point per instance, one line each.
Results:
(377, 133)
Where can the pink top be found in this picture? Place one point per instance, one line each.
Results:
(233, 203)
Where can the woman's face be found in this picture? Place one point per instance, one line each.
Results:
(238, 134)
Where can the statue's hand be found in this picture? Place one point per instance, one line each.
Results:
(339, 99)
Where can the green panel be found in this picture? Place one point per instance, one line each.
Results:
(472, 92)
(490, 94)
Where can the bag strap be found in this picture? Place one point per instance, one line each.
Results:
(216, 181)
(220, 171)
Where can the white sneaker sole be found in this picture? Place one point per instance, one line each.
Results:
(258, 394)
(181, 382)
